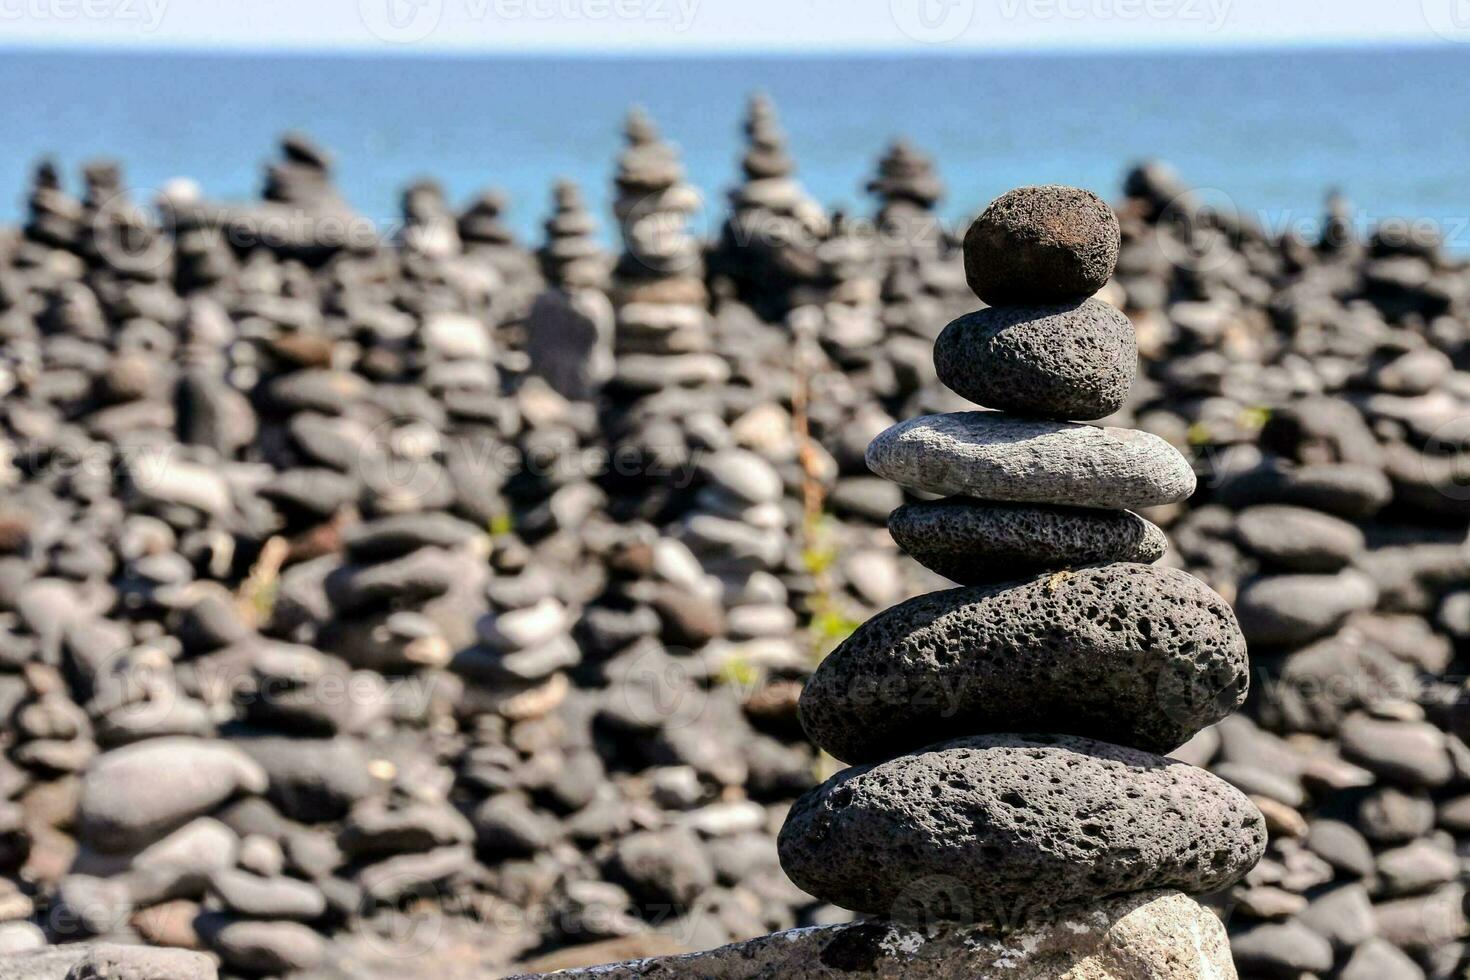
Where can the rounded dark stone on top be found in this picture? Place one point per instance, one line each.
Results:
(976, 542)
(1070, 361)
(1048, 244)
(990, 826)
(1132, 654)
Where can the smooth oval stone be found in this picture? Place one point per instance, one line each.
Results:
(135, 795)
(978, 543)
(1286, 610)
(1133, 654)
(1298, 539)
(1046, 244)
(1350, 490)
(995, 456)
(1073, 361)
(995, 825)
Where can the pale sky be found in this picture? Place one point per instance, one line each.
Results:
(411, 26)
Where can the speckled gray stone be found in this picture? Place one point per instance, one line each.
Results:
(979, 543)
(1073, 361)
(993, 826)
(1046, 244)
(1133, 654)
(995, 456)
(108, 961)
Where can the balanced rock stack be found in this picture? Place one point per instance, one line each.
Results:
(767, 247)
(569, 333)
(1007, 737)
(663, 333)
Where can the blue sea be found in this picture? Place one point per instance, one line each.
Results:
(1270, 131)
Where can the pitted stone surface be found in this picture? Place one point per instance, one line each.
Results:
(1160, 935)
(108, 961)
(1128, 653)
(995, 456)
(1072, 361)
(993, 826)
(978, 543)
(1046, 244)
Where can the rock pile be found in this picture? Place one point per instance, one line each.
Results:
(767, 247)
(569, 332)
(658, 286)
(1004, 736)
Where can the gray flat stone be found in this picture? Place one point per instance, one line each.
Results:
(994, 827)
(1286, 610)
(994, 456)
(978, 543)
(136, 794)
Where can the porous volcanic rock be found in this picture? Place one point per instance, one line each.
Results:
(1127, 653)
(975, 542)
(1071, 361)
(1162, 935)
(1042, 244)
(992, 826)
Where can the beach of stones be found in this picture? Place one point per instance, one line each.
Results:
(471, 601)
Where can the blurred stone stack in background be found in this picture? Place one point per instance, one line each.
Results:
(767, 247)
(569, 333)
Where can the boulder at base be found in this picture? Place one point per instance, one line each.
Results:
(1162, 935)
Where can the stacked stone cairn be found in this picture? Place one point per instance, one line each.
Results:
(663, 336)
(1006, 737)
(569, 333)
(666, 368)
(768, 246)
(487, 239)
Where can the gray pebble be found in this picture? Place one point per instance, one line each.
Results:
(1297, 539)
(134, 795)
(1284, 610)
(263, 947)
(267, 898)
(1286, 949)
(994, 456)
